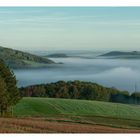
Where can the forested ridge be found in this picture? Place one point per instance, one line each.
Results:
(80, 90)
(18, 59)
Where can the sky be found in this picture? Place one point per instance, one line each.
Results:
(66, 28)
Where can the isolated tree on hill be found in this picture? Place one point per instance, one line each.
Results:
(12, 94)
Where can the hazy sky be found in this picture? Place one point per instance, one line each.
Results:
(50, 28)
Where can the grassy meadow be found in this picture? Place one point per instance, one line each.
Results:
(49, 115)
(42, 107)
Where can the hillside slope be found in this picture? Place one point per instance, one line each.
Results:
(50, 106)
(19, 59)
(80, 112)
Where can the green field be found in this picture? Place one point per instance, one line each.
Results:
(48, 115)
(41, 107)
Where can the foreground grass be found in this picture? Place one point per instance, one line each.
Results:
(47, 115)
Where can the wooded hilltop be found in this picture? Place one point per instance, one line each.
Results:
(80, 90)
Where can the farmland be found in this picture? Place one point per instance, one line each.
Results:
(48, 115)
(42, 107)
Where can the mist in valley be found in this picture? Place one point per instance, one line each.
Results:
(119, 73)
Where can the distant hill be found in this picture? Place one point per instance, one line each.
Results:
(18, 59)
(119, 54)
(63, 55)
(57, 55)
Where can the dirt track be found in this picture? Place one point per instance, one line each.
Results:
(34, 125)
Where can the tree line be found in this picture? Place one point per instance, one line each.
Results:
(80, 90)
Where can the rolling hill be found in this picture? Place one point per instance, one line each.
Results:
(18, 59)
(31, 106)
